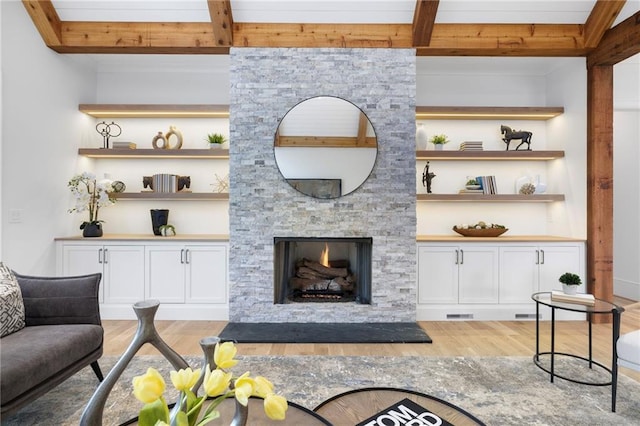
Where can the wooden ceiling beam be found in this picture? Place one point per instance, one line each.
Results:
(322, 35)
(222, 21)
(46, 20)
(505, 40)
(138, 37)
(618, 43)
(602, 16)
(199, 38)
(424, 19)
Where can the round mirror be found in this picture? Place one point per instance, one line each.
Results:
(325, 147)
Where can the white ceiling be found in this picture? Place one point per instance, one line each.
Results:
(333, 11)
(336, 11)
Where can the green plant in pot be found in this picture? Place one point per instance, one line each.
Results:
(570, 282)
(216, 140)
(438, 141)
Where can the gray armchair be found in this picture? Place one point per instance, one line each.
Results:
(63, 334)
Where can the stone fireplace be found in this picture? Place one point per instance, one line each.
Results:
(322, 270)
(265, 84)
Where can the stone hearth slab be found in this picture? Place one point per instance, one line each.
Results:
(399, 332)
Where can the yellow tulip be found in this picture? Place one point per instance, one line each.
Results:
(263, 387)
(184, 379)
(275, 406)
(223, 355)
(244, 386)
(216, 382)
(148, 387)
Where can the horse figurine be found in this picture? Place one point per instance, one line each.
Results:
(520, 134)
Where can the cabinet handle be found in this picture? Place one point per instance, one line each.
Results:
(105, 257)
(181, 255)
(186, 256)
(537, 257)
(457, 256)
(461, 257)
(542, 252)
(99, 255)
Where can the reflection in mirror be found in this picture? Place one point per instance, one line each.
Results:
(325, 147)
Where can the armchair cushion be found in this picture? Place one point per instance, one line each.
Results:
(11, 305)
(628, 349)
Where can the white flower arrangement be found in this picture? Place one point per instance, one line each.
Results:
(90, 195)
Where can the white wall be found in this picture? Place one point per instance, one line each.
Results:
(626, 194)
(567, 87)
(41, 130)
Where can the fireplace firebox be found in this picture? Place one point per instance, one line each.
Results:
(322, 270)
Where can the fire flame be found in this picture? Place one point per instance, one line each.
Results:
(324, 256)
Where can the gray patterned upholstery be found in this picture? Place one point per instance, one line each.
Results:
(11, 305)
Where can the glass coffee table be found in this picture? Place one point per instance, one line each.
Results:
(601, 307)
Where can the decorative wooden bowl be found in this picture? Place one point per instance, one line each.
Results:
(485, 232)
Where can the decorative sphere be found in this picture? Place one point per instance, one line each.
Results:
(118, 186)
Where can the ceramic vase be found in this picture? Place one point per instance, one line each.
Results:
(159, 217)
(569, 289)
(421, 138)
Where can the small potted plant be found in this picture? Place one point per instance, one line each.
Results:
(570, 282)
(438, 141)
(472, 184)
(215, 140)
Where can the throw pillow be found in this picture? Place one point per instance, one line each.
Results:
(11, 304)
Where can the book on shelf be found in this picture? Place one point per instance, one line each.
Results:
(471, 146)
(471, 191)
(123, 145)
(487, 184)
(579, 298)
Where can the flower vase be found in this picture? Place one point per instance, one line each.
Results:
(91, 229)
(438, 146)
(569, 289)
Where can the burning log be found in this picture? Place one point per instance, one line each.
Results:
(325, 270)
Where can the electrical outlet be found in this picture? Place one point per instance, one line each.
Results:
(15, 215)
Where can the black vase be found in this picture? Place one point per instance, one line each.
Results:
(159, 217)
(91, 229)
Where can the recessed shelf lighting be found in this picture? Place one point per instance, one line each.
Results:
(487, 113)
(155, 111)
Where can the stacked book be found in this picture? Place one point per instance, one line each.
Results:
(581, 299)
(471, 146)
(487, 184)
(123, 145)
(165, 182)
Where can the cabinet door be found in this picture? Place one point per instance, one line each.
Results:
(555, 261)
(518, 273)
(123, 273)
(478, 274)
(437, 274)
(83, 260)
(165, 273)
(206, 269)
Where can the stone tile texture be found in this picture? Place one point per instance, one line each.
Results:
(265, 84)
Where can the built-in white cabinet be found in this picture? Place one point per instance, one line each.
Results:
(186, 273)
(122, 268)
(457, 274)
(531, 268)
(189, 278)
(491, 281)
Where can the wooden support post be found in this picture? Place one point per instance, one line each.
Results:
(600, 184)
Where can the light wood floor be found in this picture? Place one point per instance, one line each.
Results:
(450, 338)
